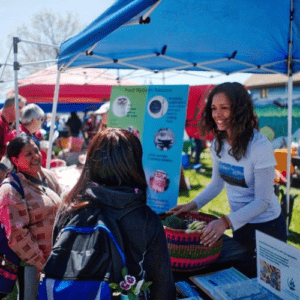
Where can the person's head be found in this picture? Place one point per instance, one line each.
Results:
(229, 114)
(9, 109)
(48, 117)
(32, 117)
(74, 115)
(24, 155)
(114, 158)
(23, 102)
(103, 112)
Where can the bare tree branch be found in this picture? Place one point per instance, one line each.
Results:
(44, 27)
(49, 28)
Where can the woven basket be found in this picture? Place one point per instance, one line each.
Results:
(186, 252)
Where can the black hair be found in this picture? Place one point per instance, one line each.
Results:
(16, 145)
(243, 119)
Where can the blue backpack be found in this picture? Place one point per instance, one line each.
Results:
(9, 261)
(84, 259)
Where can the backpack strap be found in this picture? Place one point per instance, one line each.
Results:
(88, 230)
(17, 185)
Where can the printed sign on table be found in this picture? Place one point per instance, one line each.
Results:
(156, 114)
(278, 266)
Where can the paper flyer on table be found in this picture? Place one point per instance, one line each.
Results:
(211, 281)
(249, 289)
(278, 266)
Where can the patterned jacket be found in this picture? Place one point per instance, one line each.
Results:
(29, 222)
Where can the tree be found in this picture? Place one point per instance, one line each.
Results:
(44, 27)
(49, 28)
(6, 73)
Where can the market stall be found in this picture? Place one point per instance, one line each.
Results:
(218, 36)
(228, 39)
(80, 88)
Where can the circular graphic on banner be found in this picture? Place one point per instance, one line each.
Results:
(164, 139)
(157, 107)
(134, 131)
(121, 106)
(159, 181)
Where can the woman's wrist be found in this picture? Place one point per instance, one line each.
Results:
(226, 222)
(194, 205)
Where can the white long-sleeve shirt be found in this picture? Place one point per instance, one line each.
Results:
(248, 182)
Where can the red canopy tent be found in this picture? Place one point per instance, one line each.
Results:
(79, 88)
(196, 103)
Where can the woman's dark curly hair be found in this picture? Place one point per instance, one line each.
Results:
(242, 120)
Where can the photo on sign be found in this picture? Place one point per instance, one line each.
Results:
(164, 139)
(270, 275)
(159, 181)
(121, 106)
(157, 107)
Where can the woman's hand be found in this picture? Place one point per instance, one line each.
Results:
(213, 232)
(178, 209)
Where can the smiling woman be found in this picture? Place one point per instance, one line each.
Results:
(29, 221)
(29, 160)
(220, 108)
(243, 163)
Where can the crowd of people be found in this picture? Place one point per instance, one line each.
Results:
(36, 124)
(29, 218)
(113, 180)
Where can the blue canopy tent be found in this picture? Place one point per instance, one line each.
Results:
(197, 35)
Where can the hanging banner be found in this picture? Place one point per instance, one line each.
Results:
(156, 114)
(127, 108)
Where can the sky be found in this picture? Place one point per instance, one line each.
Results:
(14, 13)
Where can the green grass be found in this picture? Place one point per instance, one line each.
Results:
(219, 206)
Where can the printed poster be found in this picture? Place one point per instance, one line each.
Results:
(156, 114)
(278, 266)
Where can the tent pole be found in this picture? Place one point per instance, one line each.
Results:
(41, 44)
(16, 68)
(290, 107)
(289, 143)
(54, 109)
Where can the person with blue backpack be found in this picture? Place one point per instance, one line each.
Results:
(106, 238)
(29, 200)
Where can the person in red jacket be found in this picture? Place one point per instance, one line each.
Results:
(7, 116)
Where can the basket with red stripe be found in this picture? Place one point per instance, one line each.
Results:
(186, 252)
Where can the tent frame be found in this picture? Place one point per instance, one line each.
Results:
(207, 66)
(127, 63)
